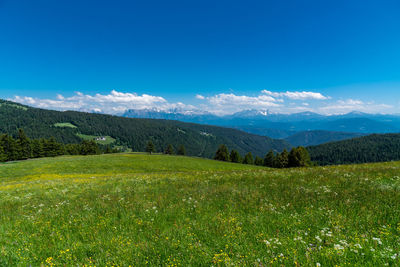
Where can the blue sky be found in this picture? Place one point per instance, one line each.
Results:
(112, 55)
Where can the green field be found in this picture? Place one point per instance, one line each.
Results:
(14, 105)
(136, 209)
(65, 125)
(108, 139)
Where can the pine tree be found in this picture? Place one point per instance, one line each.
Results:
(150, 147)
(10, 147)
(23, 146)
(37, 148)
(169, 150)
(108, 150)
(89, 147)
(51, 148)
(235, 156)
(72, 149)
(182, 150)
(3, 156)
(299, 157)
(248, 159)
(258, 161)
(269, 159)
(222, 153)
(282, 159)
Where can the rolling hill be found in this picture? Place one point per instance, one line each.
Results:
(72, 126)
(371, 148)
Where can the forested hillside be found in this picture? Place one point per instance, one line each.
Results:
(199, 140)
(311, 138)
(372, 148)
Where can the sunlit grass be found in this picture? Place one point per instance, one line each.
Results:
(64, 124)
(135, 209)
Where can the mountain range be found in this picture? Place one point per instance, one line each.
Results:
(266, 123)
(305, 128)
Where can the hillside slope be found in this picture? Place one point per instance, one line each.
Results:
(310, 138)
(371, 148)
(199, 140)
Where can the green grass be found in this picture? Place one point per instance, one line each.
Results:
(136, 209)
(109, 140)
(65, 125)
(14, 106)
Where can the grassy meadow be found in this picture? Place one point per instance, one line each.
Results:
(137, 210)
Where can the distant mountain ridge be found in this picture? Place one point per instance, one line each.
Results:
(199, 140)
(274, 125)
(310, 138)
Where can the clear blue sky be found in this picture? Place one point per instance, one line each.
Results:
(177, 49)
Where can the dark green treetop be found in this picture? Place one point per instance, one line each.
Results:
(248, 159)
(222, 153)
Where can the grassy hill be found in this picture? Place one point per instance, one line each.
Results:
(371, 148)
(135, 209)
(71, 127)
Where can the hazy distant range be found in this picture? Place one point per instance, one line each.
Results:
(305, 128)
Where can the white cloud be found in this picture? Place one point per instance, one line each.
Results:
(296, 95)
(230, 103)
(349, 105)
(200, 97)
(117, 102)
(351, 102)
(114, 102)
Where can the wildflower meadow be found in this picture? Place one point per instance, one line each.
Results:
(159, 210)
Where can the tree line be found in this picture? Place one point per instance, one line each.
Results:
(169, 150)
(21, 147)
(297, 157)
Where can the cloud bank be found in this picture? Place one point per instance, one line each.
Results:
(297, 95)
(220, 104)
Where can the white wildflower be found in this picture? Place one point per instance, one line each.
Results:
(338, 247)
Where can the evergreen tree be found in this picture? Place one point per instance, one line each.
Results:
(72, 149)
(299, 157)
(51, 148)
(3, 156)
(235, 156)
(108, 150)
(150, 147)
(169, 150)
(37, 148)
(248, 159)
(182, 150)
(23, 146)
(269, 159)
(222, 153)
(10, 147)
(258, 161)
(282, 159)
(89, 147)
